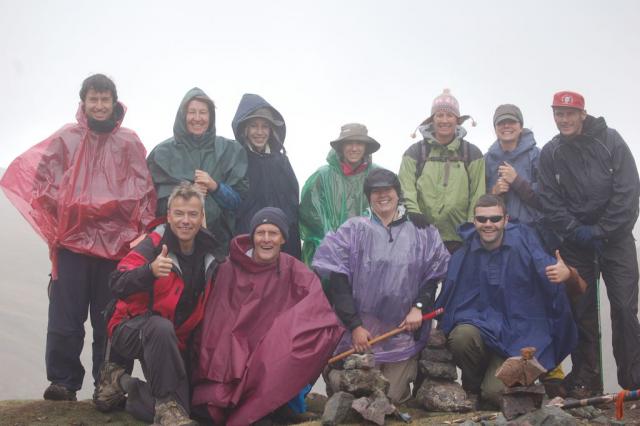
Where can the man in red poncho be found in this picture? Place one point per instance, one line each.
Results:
(268, 329)
(87, 192)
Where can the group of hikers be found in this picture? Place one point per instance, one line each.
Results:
(190, 259)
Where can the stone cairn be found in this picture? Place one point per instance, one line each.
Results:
(439, 391)
(521, 394)
(362, 395)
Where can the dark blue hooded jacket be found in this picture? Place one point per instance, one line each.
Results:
(272, 182)
(507, 296)
(524, 158)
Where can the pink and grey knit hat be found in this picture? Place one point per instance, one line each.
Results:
(445, 102)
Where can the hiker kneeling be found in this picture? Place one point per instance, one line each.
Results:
(267, 332)
(383, 270)
(161, 286)
(503, 292)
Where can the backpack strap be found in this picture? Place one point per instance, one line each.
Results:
(462, 155)
(425, 149)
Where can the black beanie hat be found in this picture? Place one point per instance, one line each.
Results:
(272, 215)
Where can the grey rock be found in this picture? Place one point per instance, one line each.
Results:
(374, 408)
(513, 406)
(499, 421)
(437, 355)
(437, 339)
(438, 370)
(518, 400)
(362, 361)
(440, 395)
(337, 409)
(587, 412)
(363, 382)
(546, 416)
(600, 420)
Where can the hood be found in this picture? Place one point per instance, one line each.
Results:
(119, 110)
(526, 143)
(593, 126)
(180, 124)
(427, 132)
(467, 231)
(237, 253)
(250, 103)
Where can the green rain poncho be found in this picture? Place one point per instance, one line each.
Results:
(328, 199)
(176, 159)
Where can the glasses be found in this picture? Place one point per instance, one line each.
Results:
(493, 219)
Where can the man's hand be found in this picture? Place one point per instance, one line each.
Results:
(161, 266)
(413, 320)
(360, 337)
(507, 172)
(559, 272)
(418, 219)
(500, 187)
(203, 180)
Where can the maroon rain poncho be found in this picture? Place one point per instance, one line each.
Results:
(268, 331)
(88, 192)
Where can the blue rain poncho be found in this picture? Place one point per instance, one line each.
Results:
(505, 293)
(387, 268)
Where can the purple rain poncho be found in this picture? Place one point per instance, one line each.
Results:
(386, 268)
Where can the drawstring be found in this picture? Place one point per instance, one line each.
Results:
(390, 236)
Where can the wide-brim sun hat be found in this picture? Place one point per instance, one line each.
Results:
(355, 132)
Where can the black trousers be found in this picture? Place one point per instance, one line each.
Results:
(81, 288)
(619, 268)
(152, 340)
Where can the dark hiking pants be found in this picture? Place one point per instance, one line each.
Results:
(619, 268)
(477, 362)
(152, 340)
(81, 288)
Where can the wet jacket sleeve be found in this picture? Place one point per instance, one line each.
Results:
(526, 193)
(407, 177)
(554, 208)
(622, 209)
(226, 197)
(133, 273)
(311, 219)
(427, 295)
(477, 184)
(341, 297)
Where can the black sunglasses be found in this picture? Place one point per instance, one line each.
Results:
(493, 219)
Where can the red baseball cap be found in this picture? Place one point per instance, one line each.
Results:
(567, 99)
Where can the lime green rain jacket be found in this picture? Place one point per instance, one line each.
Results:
(446, 191)
(328, 199)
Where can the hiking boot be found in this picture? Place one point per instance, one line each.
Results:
(108, 394)
(171, 413)
(581, 392)
(57, 392)
(554, 387)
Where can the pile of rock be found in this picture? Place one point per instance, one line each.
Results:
(362, 395)
(440, 391)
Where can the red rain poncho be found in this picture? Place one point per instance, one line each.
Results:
(267, 332)
(88, 192)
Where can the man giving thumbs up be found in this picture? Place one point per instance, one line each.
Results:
(160, 302)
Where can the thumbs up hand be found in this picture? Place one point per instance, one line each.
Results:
(161, 266)
(559, 272)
